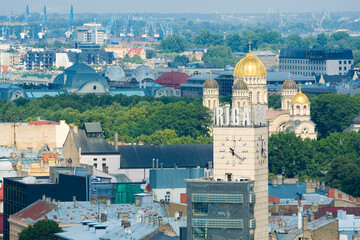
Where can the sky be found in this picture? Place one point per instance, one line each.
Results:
(179, 6)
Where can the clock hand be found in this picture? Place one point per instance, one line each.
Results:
(238, 155)
(232, 151)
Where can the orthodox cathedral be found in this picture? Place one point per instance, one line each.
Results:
(250, 88)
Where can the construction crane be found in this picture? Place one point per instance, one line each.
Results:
(319, 28)
(70, 29)
(5, 30)
(24, 35)
(133, 26)
(42, 25)
(109, 27)
(125, 27)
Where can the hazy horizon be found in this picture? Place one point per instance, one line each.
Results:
(184, 6)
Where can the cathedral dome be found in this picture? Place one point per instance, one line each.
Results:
(211, 83)
(240, 85)
(300, 97)
(289, 84)
(249, 66)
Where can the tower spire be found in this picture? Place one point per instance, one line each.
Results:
(250, 46)
(289, 76)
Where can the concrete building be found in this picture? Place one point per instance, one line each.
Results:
(268, 58)
(40, 59)
(21, 192)
(169, 184)
(316, 61)
(91, 33)
(137, 160)
(81, 79)
(34, 135)
(89, 147)
(4, 59)
(220, 210)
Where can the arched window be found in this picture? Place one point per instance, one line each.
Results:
(305, 110)
(250, 97)
(258, 97)
(209, 104)
(297, 110)
(238, 104)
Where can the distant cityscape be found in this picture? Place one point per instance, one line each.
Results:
(182, 126)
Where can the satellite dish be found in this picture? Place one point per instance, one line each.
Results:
(143, 186)
(69, 160)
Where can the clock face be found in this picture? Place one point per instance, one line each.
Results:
(237, 149)
(261, 152)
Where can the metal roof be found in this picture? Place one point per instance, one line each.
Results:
(93, 127)
(290, 190)
(187, 155)
(93, 145)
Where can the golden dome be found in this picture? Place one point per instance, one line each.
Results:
(249, 66)
(289, 84)
(211, 83)
(300, 97)
(240, 85)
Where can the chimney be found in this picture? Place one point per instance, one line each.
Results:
(274, 182)
(74, 198)
(273, 236)
(58, 204)
(311, 216)
(108, 202)
(160, 221)
(153, 165)
(276, 207)
(93, 201)
(103, 217)
(315, 206)
(317, 184)
(44, 197)
(48, 199)
(100, 231)
(304, 222)
(279, 179)
(306, 180)
(116, 144)
(157, 163)
(137, 202)
(75, 204)
(53, 200)
(310, 187)
(300, 213)
(323, 186)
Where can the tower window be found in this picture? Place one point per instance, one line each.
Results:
(258, 97)
(250, 97)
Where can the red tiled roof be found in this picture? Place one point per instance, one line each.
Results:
(43, 123)
(35, 211)
(4, 68)
(137, 50)
(172, 79)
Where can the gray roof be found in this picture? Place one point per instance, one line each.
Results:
(115, 73)
(79, 75)
(93, 145)
(143, 72)
(93, 127)
(186, 156)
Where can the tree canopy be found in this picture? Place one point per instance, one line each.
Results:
(41, 230)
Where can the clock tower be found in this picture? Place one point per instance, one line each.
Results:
(241, 151)
(241, 138)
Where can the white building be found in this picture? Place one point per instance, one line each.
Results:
(316, 61)
(91, 33)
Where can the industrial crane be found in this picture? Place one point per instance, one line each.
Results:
(110, 26)
(125, 27)
(6, 30)
(319, 28)
(70, 29)
(24, 35)
(42, 25)
(133, 26)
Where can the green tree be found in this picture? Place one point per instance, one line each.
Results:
(173, 43)
(181, 59)
(356, 58)
(221, 55)
(333, 113)
(294, 41)
(322, 39)
(290, 155)
(274, 101)
(234, 42)
(41, 230)
(206, 38)
(344, 174)
(150, 54)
